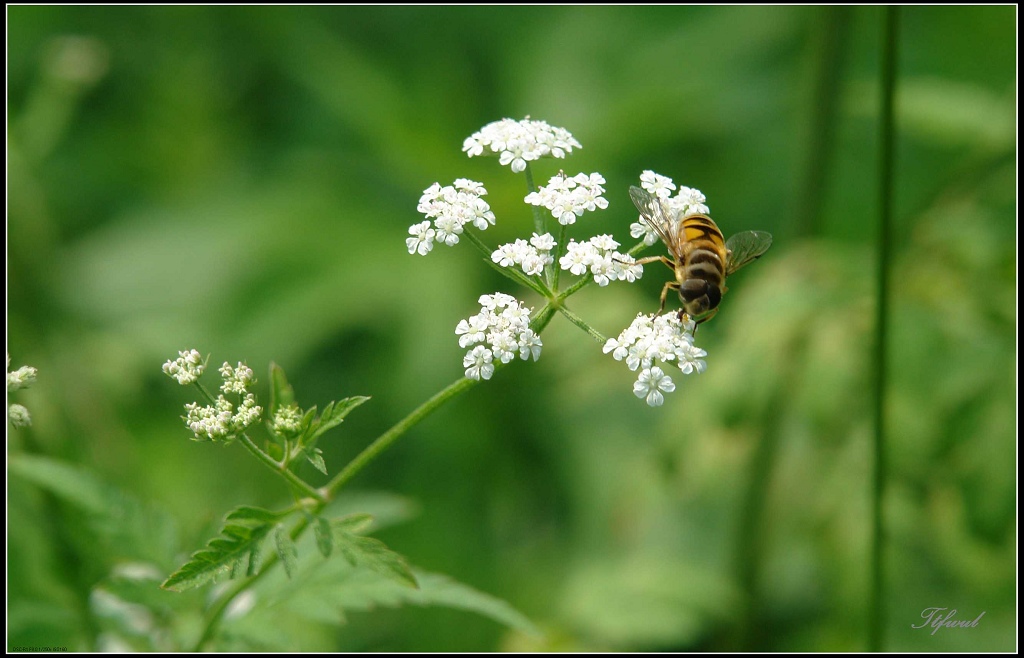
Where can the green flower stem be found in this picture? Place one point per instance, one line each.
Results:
(281, 469)
(384, 441)
(574, 288)
(876, 601)
(559, 252)
(582, 324)
(513, 274)
(206, 394)
(538, 215)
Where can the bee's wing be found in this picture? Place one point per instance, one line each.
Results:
(652, 212)
(745, 247)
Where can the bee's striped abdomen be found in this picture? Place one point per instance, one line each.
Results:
(702, 272)
(704, 250)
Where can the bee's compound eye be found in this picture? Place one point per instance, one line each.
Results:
(714, 296)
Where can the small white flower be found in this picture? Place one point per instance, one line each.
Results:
(471, 186)
(604, 242)
(187, 368)
(449, 229)
(529, 345)
(642, 229)
(477, 363)
(533, 264)
(544, 242)
(472, 331)
(506, 255)
(423, 239)
(578, 257)
(656, 184)
(651, 383)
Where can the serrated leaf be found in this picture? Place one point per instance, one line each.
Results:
(315, 457)
(239, 543)
(281, 392)
(286, 550)
(374, 555)
(353, 523)
(307, 419)
(334, 414)
(325, 591)
(324, 538)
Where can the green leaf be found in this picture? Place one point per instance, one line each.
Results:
(286, 550)
(332, 416)
(307, 419)
(324, 540)
(325, 591)
(315, 457)
(374, 555)
(281, 392)
(438, 589)
(239, 542)
(353, 523)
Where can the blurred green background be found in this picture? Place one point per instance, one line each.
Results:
(241, 180)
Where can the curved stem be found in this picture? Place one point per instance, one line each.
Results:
(280, 469)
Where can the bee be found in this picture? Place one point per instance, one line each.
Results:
(701, 257)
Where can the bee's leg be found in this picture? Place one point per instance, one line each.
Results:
(669, 285)
(651, 259)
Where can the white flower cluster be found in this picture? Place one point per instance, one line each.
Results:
(288, 421)
(599, 256)
(21, 378)
(567, 198)
(451, 207)
(532, 256)
(186, 368)
(236, 380)
(657, 338)
(687, 202)
(519, 142)
(497, 332)
(222, 419)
